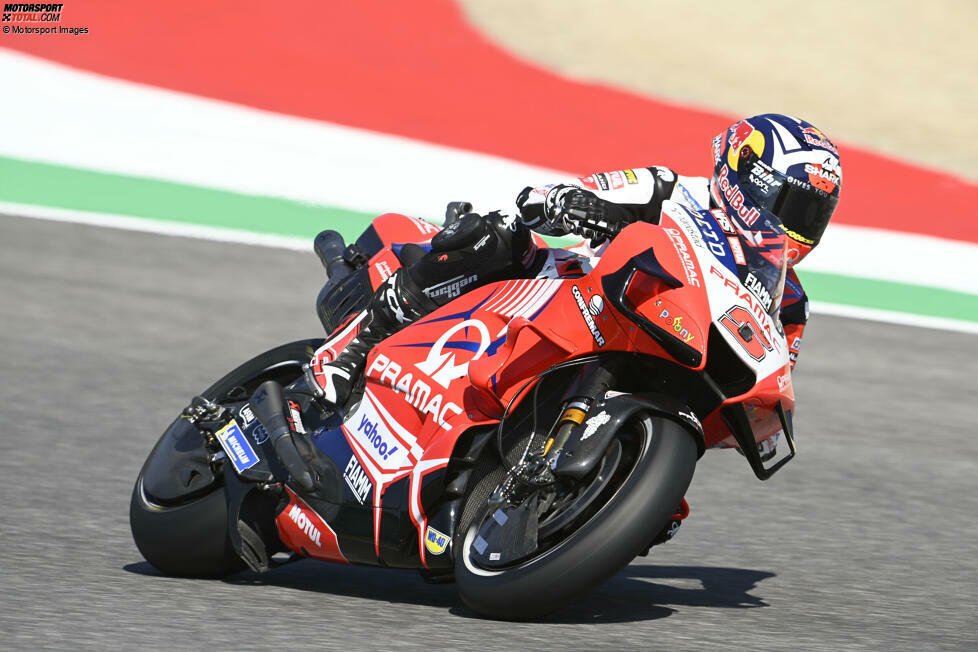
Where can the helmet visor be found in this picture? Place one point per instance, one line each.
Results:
(803, 209)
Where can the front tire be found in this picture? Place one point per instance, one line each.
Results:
(181, 529)
(592, 553)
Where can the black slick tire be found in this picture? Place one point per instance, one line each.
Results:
(602, 546)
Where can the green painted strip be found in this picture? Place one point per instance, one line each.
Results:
(56, 186)
(887, 295)
(27, 182)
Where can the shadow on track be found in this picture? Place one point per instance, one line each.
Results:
(638, 593)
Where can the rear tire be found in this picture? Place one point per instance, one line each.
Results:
(187, 535)
(613, 535)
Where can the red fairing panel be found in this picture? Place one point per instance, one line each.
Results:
(301, 528)
(394, 227)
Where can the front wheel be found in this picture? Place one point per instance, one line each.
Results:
(178, 512)
(587, 533)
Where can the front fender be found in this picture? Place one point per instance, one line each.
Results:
(178, 468)
(589, 440)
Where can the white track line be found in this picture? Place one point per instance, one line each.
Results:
(80, 119)
(75, 118)
(161, 227)
(890, 317)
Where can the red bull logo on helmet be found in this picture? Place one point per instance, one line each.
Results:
(816, 138)
(735, 198)
(743, 133)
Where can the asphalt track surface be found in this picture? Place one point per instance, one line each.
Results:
(866, 541)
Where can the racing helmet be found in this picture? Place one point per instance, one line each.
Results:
(781, 170)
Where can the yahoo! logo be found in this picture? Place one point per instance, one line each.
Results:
(370, 431)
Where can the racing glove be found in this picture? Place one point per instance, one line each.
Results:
(568, 209)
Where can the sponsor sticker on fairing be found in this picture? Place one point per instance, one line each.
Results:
(236, 445)
(784, 380)
(306, 525)
(419, 392)
(692, 278)
(435, 542)
(737, 249)
(260, 434)
(596, 305)
(674, 323)
(713, 241)
(369, 430)
(357, 480)
(757, 288)
(247, 416)
(722, 220)
(593, 424)
(588, 317)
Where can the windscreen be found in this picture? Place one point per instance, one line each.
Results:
(765, 270)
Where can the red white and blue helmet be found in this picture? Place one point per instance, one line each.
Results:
(773, 171)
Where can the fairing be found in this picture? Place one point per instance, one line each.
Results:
(658, 292)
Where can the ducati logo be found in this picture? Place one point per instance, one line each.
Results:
(441, 365)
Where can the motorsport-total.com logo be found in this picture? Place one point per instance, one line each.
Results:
(48, 19)
(32, 13)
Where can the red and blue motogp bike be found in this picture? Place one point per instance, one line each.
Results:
(526, 440)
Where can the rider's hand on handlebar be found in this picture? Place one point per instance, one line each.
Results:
(530, 204)
(583, 213)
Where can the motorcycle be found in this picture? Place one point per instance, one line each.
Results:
(526, 440)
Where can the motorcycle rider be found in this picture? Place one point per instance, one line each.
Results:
(772, 174)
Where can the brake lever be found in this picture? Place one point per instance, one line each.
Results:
(203, 409)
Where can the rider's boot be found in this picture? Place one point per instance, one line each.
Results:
(393, 306)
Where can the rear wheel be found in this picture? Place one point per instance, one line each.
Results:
(585, 533)
(178, 513)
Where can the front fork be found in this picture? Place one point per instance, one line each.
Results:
(536, 469)
(592, 382)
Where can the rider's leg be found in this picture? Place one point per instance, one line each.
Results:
(394, 305)
(470, 252)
